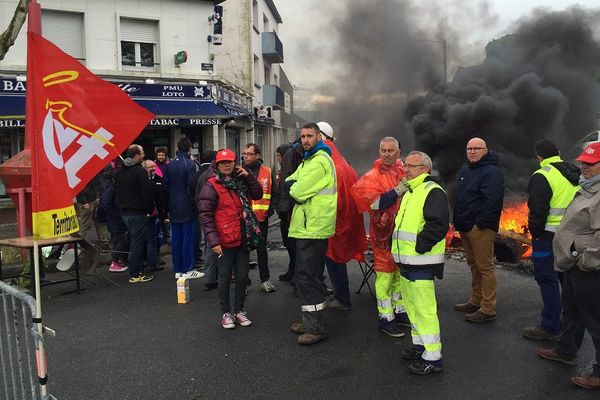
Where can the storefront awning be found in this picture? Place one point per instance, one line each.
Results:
(183, 108)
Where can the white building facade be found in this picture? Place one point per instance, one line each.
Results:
(160, 52)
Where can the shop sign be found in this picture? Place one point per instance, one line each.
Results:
(143, 90)
(12, 86)
(185, 121)
(234, 100)
(12, 123)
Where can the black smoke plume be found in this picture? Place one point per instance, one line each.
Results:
(540, 82)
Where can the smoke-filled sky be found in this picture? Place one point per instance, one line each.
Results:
(375, 69)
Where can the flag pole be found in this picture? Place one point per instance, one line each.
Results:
(34, 24)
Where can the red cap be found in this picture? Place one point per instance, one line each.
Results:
(591, 153)
(225, 155)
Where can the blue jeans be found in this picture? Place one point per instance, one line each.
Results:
(137, 225)
(151, 250)
(548, 281)
(338, 273)
(233, 260)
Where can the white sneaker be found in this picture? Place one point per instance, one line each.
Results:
(193, 274)
(267, 286)
(177, 275)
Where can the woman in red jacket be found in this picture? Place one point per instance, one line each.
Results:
(230, 228)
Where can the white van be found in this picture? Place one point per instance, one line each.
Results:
(589, 139)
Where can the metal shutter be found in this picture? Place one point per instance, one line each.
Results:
(138, 31)
(65, 29)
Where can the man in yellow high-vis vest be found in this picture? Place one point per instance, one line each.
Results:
(551, 189)
(263, 209)
(418, 246)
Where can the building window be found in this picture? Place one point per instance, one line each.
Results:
(65, 29)
(255, 15)
(256, 71)
(139, 39)
(265, 23)
(267, 75)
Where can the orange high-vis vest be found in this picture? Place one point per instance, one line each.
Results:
(261, 207)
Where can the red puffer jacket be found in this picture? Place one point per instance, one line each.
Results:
(220, 211)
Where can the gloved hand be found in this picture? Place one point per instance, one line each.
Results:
(402, 187)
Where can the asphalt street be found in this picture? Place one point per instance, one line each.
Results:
(136, 342)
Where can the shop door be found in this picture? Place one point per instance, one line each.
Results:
(232, 140)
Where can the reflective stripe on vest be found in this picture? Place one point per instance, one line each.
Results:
(563, 192)
(313, 307)
(261, 207)
(409, 223)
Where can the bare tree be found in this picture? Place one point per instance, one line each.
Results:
(8, 37)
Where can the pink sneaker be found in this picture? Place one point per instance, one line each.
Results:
(116, 267)
(242, 319)
(227, 321)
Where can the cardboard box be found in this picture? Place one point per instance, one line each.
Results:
(183, 291)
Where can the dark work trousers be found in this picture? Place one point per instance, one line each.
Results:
(210, 264)
(338, 273)
(288, 242)
(119, 245)
(310, 258)
(136, 225)
(151, 251)
(233, 260)
(548, 281)
(261, 252)
(580, 305)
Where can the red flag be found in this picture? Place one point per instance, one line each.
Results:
(79, 123)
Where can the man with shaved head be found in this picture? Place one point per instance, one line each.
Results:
(477, 216)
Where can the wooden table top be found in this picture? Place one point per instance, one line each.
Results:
(27, 242)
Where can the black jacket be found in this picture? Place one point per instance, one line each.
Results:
(289, 163)
(480, 195)
(161, 198)
(134, 190)
(436, 213)
(540, 195)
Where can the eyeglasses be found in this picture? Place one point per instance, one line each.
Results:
(472, 149)
(248, 154)
(414, 165)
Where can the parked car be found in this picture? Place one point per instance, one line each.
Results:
(589, 139)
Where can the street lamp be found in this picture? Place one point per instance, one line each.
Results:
(444, 55)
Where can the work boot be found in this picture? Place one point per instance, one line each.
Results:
(538, 333)
(478, 316)
(402, 320)
(414, 353)
(588, 381)
(390, 329)
(336, 304)
(297, 328)
(466, 307)
(311, 338)
(553, 355)
(287, 277)
(424, 367)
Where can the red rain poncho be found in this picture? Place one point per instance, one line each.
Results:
(349, 241)
(380, 179)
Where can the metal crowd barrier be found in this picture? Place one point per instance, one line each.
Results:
(20, 375)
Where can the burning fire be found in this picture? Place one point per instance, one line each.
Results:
(514, 218)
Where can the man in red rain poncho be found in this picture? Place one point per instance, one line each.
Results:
(349, 241)
(379, 192)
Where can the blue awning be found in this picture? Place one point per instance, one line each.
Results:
(183, 108)
(12, 106)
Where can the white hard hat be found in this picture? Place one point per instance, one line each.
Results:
(326, 129)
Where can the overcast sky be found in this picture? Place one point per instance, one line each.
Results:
(305, 30)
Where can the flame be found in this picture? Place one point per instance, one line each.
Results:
(514, 218)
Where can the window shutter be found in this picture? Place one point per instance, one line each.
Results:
(138, 31)
(65, 29)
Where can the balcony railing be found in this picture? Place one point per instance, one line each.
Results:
(272, 47)
(273, 96)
